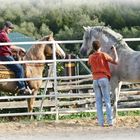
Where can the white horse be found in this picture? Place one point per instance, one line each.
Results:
(128, 68)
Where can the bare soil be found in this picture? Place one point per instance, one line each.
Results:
(72, 125)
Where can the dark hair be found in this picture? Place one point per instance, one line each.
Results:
(96, 45)
(9, 24)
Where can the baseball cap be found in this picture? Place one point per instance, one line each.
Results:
(9, 24)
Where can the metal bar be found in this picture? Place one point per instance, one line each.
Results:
(45, 78)
(26, 114)
(55, 81)
(43, 61)
(44, 92)
(59, 42)
(131, 39)
(25, 97)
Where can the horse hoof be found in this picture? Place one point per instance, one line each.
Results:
(114, 121)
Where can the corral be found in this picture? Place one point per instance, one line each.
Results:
(62, 100)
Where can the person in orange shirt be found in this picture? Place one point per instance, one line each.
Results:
(99, 64)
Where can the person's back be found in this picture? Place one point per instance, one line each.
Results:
(99, 65)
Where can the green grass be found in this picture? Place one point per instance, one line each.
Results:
(129, 113)
(81, 115)
(91, 115)
(78, 115)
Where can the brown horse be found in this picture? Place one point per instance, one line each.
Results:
(36, 52)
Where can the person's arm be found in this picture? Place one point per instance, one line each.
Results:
(18, 49)
(115, 55)
(4, 37)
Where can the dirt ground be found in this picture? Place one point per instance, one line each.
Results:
(83, 129)
(66, 126)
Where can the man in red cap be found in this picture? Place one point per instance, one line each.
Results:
(6, 55)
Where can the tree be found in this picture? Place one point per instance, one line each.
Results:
(44, 30)
(133, 32)
(27, 28)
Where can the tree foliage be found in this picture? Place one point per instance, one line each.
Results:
(40, 19)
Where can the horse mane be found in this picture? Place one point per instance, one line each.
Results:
(45, 38)
(109, 32)
(116, 37)
(36, 52)
(112, 33)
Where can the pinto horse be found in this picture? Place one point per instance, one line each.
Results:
(36, 52)
(128, 68)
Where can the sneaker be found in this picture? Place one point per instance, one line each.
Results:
(24, 92)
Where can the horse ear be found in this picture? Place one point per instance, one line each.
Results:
(51, 35)
(85, 28)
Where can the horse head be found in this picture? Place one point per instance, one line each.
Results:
(105, 35)
(49, 48)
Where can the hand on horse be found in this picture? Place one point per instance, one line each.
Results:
(18, 49)
(113, 48)
(22, 51)
(18, 52)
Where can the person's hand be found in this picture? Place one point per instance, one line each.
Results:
(18, 49)
(113, 48)
(22, 50)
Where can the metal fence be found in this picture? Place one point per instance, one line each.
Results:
(55, 78)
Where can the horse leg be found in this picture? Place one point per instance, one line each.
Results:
(117, 93)
(31, 102)
(115, 86)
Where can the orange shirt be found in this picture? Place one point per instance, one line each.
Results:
(99, 65)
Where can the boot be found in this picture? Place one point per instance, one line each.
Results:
(24, 91)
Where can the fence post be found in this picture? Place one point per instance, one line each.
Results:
(55, 81)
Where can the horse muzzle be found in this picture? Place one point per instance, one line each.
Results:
(83, 51)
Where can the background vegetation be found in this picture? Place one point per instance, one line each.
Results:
(66, 19)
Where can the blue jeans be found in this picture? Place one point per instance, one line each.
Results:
(102, 91)
(16, 68)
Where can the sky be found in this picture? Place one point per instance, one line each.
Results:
(64, 3)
